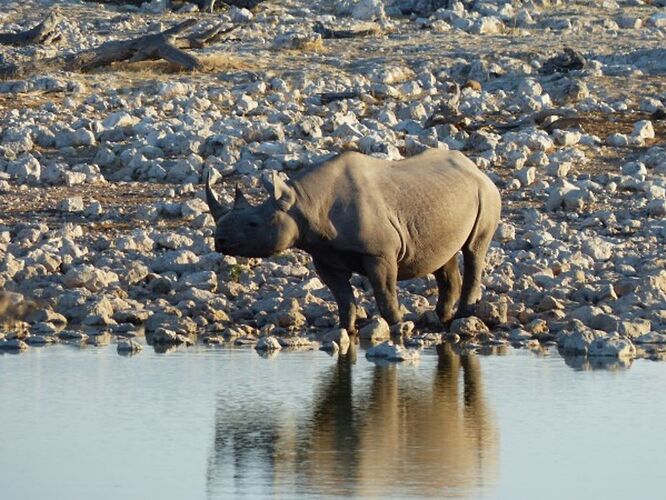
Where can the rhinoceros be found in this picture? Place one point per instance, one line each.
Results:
(386, 220)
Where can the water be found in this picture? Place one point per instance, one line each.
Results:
(203, 423)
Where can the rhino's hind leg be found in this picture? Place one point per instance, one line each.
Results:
(449, 284)
(337, 280)
(474, 255)
(383, 275)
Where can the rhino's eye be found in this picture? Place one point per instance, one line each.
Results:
(252, 224)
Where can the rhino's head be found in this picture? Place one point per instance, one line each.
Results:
(255, 231)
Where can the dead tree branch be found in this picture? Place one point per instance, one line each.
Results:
(44, 33)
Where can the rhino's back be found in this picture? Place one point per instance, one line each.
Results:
(421, 209)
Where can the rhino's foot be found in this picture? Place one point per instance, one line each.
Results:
(429, 319)
(465, 311)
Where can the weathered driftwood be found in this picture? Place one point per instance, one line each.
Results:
(165, 45)
(331, 33)
(536, 119)
(44, 33)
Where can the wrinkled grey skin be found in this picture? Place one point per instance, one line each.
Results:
(388, 221)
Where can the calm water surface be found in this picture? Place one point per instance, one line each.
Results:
(203, 423)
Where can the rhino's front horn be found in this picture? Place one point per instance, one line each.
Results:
(239, 200)
(215, 206)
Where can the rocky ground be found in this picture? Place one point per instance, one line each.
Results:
(104, 233)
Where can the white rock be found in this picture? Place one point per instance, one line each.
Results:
(240, 15)
(617, 140)
(129, 345)
(489, 25)
(579, 340)
(245, 103)
(339, 336)
(369, 10)
(643, 129)
(598, 249)
(269, 343)
(25, 169)
(611, 347)
(73, 204)
(527, 176)
(376, 329)
(119, 119)
(391, 352)
(566, 137)
(75, 138)
(89, 277)
(470, 325)
(505, 232)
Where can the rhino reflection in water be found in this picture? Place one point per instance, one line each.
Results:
(396, 433)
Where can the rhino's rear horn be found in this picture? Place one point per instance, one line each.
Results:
(216, 208)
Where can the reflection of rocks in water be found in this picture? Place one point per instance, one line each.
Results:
(398, 430)
(583, 363)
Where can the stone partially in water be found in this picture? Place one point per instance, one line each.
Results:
(297, 343)
(269, 343)
(14, 344)
(128, 346)
(614, 347)
(651, 338)
(377, 329)
(579, 339)
(391, 352)
(39, 339)
(166, 336)
(339, 336)
(468, 327)
(403, 329)
(330, 347)
(73, 335)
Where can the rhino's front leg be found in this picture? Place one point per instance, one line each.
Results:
(383, 275)
(337, 280)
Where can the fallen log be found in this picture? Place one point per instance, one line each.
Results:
(164, 45)
(44, 33)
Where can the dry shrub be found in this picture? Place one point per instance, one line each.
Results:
(313, 46)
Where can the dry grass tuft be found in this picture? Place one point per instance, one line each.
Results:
(314, 46)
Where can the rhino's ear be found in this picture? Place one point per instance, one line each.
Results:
(216, 208)
(239, 200)
(283, 194)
